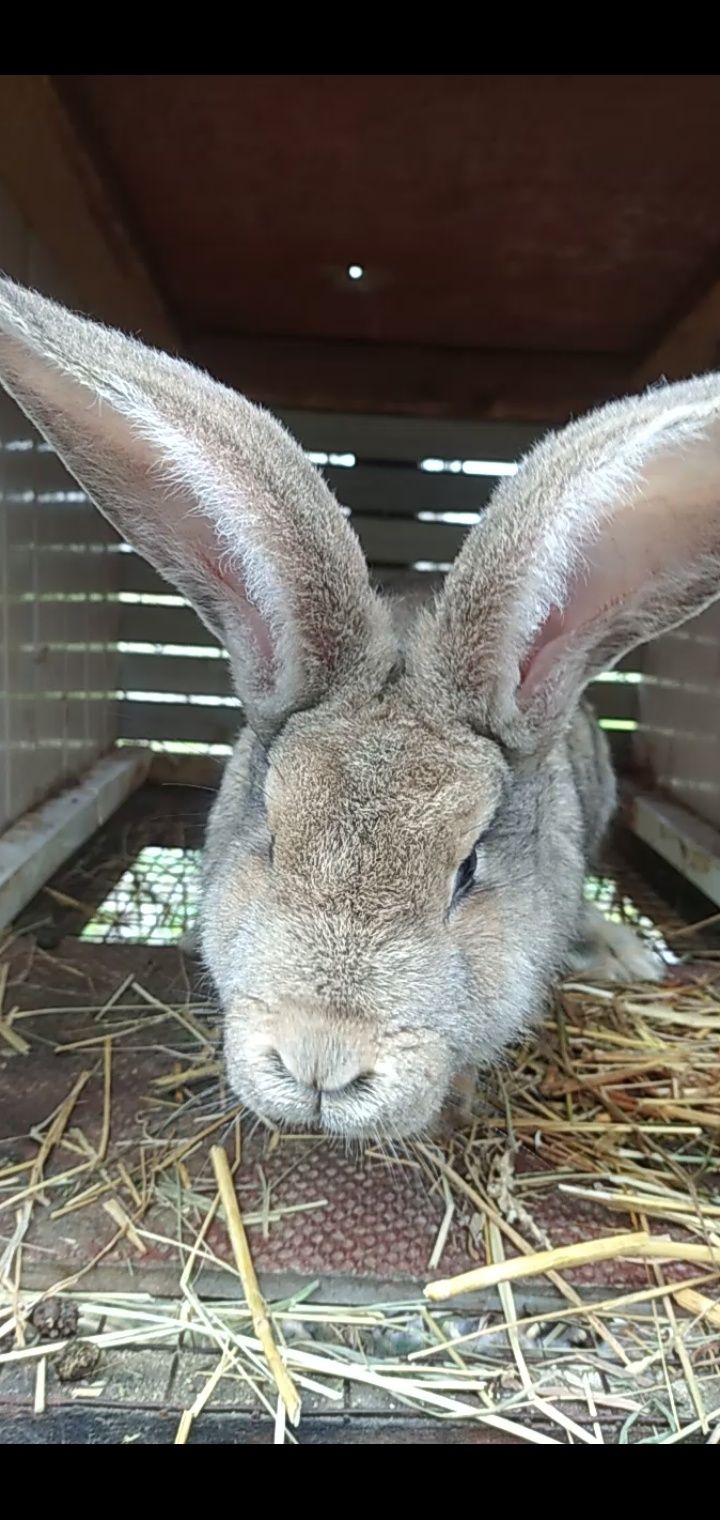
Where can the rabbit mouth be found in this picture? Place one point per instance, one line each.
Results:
(303, 1066)
(366, 1107)
(349, 1114)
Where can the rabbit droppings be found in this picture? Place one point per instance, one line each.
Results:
(394, 867)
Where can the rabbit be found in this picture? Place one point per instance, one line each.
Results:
(393, 875)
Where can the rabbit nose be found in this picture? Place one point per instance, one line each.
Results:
(321, 1065)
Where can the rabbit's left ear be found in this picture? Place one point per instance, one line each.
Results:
(608, 534)
(218, 497)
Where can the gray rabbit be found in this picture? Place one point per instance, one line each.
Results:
(395, 861)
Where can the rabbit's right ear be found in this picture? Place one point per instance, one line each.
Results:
(213, 492)
(608, 534)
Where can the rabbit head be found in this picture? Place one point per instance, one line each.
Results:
(395, 861)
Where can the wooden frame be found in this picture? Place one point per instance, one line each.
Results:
(59, 190)
(32, 849)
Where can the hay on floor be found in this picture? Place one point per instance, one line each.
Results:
(615, 1099)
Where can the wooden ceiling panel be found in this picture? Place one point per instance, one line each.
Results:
(540, 213)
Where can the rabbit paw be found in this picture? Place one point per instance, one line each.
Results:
(613, 952)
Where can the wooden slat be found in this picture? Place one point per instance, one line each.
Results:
(690, 844)
(385, 541)
(65, 522)
(613, 699)
(180, 625)
(167, 769)
(404, 491)
(371, 490)
(47, 472)
(143, 624)
(408, 438)
(61, 572)
(86, 670)
(181, 721)
(681, 707)
(139, 577)
(73, 627)
(187, 674)
(402, 541)
(168, 673)
(37, 846)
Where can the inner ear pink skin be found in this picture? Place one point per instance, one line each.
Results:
(612, 572)
(534, 667)
(247, 611)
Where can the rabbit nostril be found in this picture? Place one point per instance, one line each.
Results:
(290, 1071)
(355, 1088)
(276, 1061)
(318, 1076)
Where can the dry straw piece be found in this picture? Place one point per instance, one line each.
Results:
(255, 1301)
(583, 1254)
(535, 1263)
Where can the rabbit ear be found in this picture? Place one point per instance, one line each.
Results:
(608, 534)
(213, 492)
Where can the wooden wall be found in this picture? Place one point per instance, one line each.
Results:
(59, 614)
(411, 522)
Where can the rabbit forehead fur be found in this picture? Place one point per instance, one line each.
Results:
(330, 869)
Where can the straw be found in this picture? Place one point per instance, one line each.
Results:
(613, 1103)
(255, 1301)
(580, 1255)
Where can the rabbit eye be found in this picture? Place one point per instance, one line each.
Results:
(465, 876)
